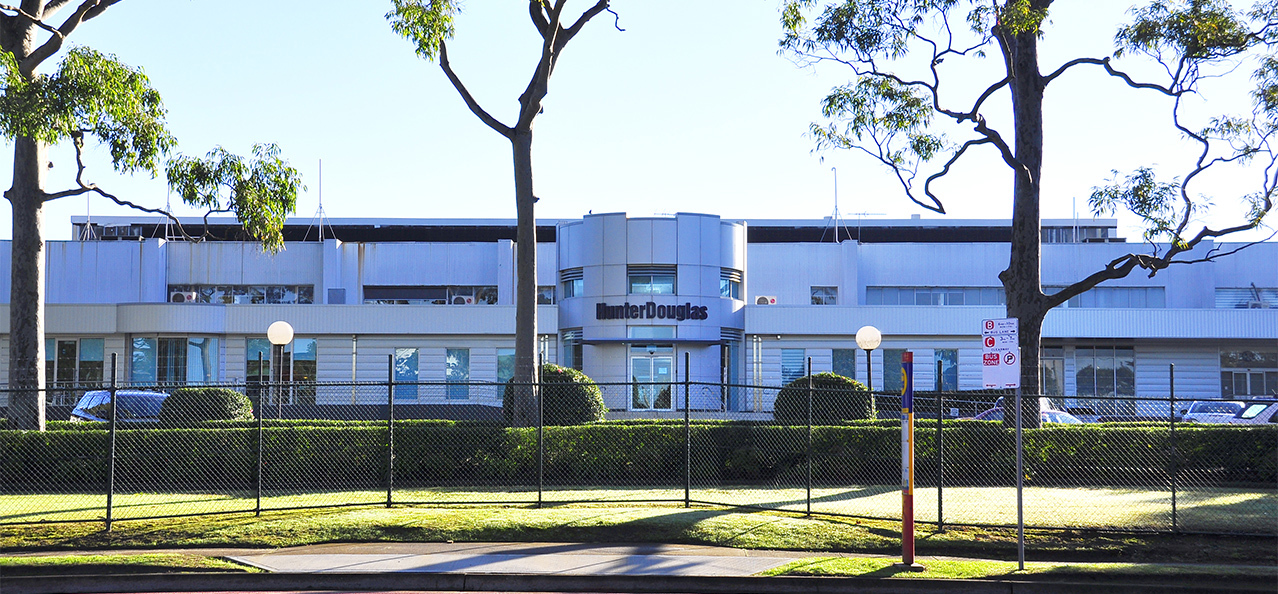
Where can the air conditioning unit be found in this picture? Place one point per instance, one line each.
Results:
(765, 300)
(1254, 304)
(459, 300)
(182, 297)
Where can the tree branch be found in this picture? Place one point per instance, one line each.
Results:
(538, 17)
(1116, 269)
(158, 211)
(1109, 68)
(37, 22)
(585, 17)
(87, 10)
(483, 116)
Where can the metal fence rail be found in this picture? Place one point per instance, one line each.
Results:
(681, 443)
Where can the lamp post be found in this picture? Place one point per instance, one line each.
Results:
(279, 333)
(869, 338)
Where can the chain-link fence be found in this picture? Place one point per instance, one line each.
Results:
(160, 451)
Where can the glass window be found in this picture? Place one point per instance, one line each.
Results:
(505, 365)
(1053, 366)
(792, 365)
(572, 349)
(573, 288)
(892, 376)
(649, 332)
(201, 360)
(546, 295)
(1248, 373)
(405, 373)
(730, 283)
(457, 373)
(825, 295)
(1105, 371)
(258, 365)
(652, 375)
(142, 361)
(652, 284)
(874, 296)
(947, 360)
(843, 362)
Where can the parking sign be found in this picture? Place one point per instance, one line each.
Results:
(1001, 353)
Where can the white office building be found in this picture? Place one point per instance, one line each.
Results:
(745, 302)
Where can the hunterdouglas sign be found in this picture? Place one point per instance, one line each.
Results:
(650, 311)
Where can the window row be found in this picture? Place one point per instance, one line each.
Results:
(241, 294)
(1119, 297)
(430, 295)
(651, 280)
(934, 296)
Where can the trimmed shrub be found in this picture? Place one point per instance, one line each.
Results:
(186, 406)
(834, 399)
(569, 396)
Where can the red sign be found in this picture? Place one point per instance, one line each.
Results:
(990, 359)
(1010, 358)
(989, 342)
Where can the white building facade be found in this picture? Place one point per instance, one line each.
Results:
(639, 299)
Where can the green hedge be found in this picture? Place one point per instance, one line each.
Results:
(569, 396)
(834, 399)
(352, 455)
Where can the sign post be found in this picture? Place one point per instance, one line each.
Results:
(1001, 368)
(907, 464)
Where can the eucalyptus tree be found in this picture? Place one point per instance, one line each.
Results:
(429, 24)
(903, 102)
(93, 97)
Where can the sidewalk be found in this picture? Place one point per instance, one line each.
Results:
(523, 558)
(551, 567)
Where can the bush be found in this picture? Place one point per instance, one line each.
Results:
(834, 399)
(569, 398)
(186, 406)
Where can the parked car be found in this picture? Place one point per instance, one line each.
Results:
(1257, 412)
(133, 406)
(1045, 416)
(1212, 411)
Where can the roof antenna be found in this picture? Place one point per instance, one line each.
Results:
(835, 219)
(319, 213)
(86, 232)
(168, 208)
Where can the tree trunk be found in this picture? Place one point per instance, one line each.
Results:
(526, 369)
(1022, 281)
(26, 292)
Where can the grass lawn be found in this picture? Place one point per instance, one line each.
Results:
(117, 564)
(1207, 510)
(612, 523)
(1034, 571)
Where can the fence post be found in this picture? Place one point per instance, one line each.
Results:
(257, 510)
(390, 428)
(687, 433)
(541, 431)
(111, 451)
(809, 445)
(940, 453)
(1171, 380)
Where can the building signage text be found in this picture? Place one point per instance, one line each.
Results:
(650, 311)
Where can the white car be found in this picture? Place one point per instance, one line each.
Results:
(1212, 411)
(1257, 413)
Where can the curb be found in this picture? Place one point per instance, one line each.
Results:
(190, 582)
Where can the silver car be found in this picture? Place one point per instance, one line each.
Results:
(1257, 413)
(1212, 411)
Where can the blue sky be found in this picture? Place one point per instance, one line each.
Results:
(690, 109)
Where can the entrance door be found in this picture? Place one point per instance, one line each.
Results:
(652, 371)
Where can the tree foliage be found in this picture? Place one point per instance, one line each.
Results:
(91, 94)
(428, 25)
(908, 58)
